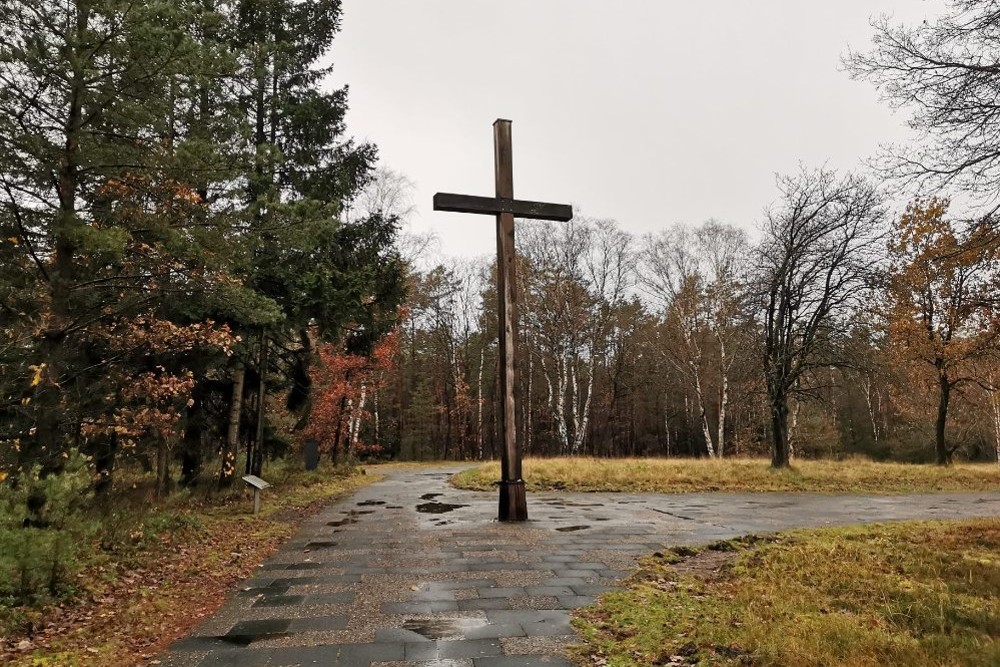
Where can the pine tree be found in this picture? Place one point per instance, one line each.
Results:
(343, 280)
(91, 153)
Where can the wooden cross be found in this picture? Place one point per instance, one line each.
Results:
(513, 505)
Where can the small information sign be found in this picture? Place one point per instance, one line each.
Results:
(258, 485)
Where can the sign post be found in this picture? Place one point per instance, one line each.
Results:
(258, 485)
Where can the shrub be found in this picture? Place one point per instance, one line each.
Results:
(44, 533)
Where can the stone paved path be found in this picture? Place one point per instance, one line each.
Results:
(411, 572)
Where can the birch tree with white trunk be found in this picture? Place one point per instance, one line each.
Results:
(693, 276)
(575, 275)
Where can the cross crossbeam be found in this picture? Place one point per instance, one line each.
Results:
(513, 504)
(532, 210)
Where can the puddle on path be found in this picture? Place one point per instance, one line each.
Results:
(342, 522)
(443, 628)
(367, 503)
(437, 508)
(570, 503)
(246, 640)
(570, 529)
(320, 544)
(279, 600)
(430, 496)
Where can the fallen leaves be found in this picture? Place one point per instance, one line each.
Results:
(132, 610)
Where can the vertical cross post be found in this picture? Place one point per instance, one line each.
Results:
(513, 504)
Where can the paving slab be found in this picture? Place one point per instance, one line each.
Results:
(410, 572)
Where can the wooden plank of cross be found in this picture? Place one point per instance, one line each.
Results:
(513, 504)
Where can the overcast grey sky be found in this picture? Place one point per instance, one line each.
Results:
(649, 112)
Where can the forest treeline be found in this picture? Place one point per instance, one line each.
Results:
(200, 269)
(869, 335)
(842, 326)
(201, 272)
(175, 235)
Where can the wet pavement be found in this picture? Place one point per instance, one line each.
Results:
(409, 572)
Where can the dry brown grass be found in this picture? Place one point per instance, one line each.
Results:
(907, 594)
(750, 475)
(390, 466)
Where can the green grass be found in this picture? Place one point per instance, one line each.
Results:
(748, 475)
(919, 593)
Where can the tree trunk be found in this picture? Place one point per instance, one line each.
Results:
(991, 393)
(349, 448)
(233, 429)
(574, 409)
(723, 397)
(191, 458)
(527, 398)
(943, 454)
(582, 423)
(46, 446)
(335, 449)
(479, 406)
(104, 453)
(162, 467)
(702, 413)
(255, 457)
(666, 423)
(793, 429)
(868, 385)
(356, 417)
(779, 431)
(560, 406)
(449, 409)
(551, 395)
(995, 404)
(376, 416)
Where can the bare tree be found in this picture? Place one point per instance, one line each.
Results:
(948, 73)
(694, 276)
(555, 311)
(820, 244)
(671, 273)
(388, 193)
(723, 250)
(576, 276)
(992, 391)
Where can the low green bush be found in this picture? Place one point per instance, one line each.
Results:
(45, 533)
(53, 528)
